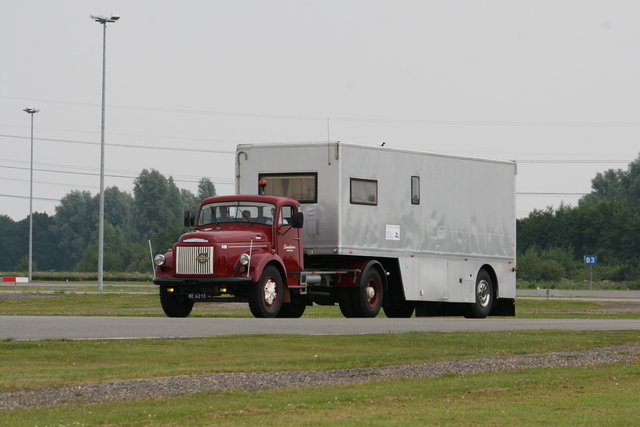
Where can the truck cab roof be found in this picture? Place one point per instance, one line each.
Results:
(276, 200)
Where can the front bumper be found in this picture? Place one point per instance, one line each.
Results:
(206, 289)
(201, 281)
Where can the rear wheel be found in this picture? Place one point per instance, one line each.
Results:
(484, 296)
(366, 299)
(404, 310)
(344, 301)
(265, 296)
(174, 305)
(292, 310)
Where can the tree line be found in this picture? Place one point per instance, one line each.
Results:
(605, 222)
(68, 240)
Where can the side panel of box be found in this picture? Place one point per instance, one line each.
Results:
(466, 206)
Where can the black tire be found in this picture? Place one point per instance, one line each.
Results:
(484, 296)
(344, 302)
(292, 310)
(366, 299)
(399, 311)
(174, 305)
(265, 297)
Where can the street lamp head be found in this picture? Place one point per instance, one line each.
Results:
(31, 110)
(103, 19)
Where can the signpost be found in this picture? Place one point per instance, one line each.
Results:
(591, 260)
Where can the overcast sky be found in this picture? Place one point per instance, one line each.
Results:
(550, 84)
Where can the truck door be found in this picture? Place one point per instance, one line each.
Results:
(288, 239)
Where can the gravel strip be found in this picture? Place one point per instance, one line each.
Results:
(181, 385)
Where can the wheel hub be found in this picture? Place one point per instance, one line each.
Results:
(270, 292)
(371, 293)
(483, 293)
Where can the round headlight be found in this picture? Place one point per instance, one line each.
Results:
(244, 259)
(159, 259)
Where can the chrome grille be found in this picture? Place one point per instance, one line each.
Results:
(194, 260)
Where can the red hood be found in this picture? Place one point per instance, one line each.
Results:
(224, 236)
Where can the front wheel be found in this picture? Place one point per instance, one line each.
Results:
(265, 296)
(484, 296)
(174, 305)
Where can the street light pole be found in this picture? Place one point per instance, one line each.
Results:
(31, 111)
(102, 20)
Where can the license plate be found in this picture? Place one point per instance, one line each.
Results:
(197, 296)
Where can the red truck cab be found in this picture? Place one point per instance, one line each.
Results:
(243, 248)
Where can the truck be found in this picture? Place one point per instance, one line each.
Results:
(368, 228)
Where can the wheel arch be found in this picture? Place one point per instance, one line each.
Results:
(260, 261)
(373, 263)
(494, 278)
(501, 306)
(394, 288)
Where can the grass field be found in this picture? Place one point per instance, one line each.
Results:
(557, 396)
(71, 303)
(37, 364)
(601, 395)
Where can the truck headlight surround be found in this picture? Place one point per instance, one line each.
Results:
(244, 259)
(159, 260)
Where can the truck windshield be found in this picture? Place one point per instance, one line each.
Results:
(237, 211)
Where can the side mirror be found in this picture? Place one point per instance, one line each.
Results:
(189, 219)
(297, 220)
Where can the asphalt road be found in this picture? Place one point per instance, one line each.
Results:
(24, 328)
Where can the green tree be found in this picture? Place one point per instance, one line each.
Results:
(140, 259)
(206, 188)
(14, 243)
(618, 184)
(118, 209)
(73, 225)
(116, 251)
(61, 242)
(45, 246)
(529, 265)
(608, 227)
(189, 201)
(160, 242)
(157, 204)
(174, 202)
(23, 265)
(608, 185)
(632, 181)
(545, 228)
(10, 244)
(551, 264)
(165, 240)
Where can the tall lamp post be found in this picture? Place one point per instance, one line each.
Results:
(102, 20)
(31, 111)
